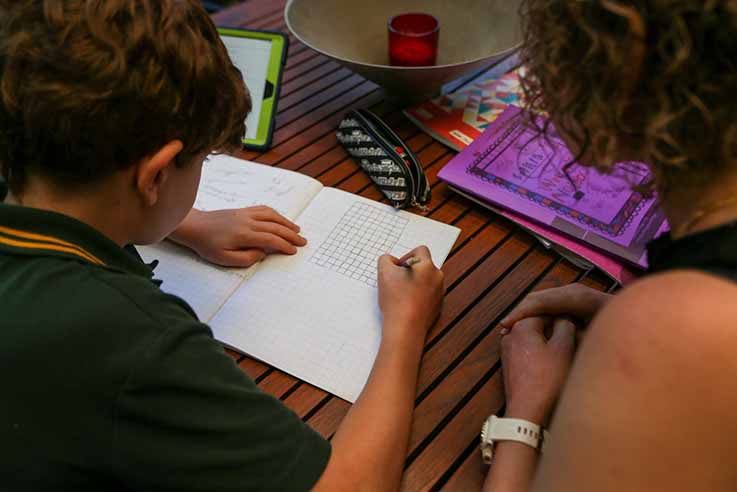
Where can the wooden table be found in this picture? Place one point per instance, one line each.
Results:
(493, 266)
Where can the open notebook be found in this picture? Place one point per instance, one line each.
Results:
(314, 315)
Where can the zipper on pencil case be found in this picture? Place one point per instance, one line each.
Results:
(419, 193)
(419, 190)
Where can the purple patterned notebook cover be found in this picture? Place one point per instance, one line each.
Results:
(512, 166)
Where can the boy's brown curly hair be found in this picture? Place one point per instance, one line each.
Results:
(89, 87)
(655, 78)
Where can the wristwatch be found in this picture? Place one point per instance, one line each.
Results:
(518, 430)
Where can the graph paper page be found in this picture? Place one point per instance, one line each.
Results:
(316, 315)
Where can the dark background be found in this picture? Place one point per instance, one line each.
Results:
(215, 5)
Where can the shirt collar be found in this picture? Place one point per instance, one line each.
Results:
(35, 232)
(713, 249)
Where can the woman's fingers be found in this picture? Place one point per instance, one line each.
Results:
(564, 334)
(575, 300)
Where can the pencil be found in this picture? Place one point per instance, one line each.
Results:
(410, 261)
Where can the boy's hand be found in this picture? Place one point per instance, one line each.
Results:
(410, 297)
(240, 237)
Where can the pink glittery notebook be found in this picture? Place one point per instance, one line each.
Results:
(513, 167)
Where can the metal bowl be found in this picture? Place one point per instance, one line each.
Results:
(474, 34)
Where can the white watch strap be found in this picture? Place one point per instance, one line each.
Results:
(518, 430)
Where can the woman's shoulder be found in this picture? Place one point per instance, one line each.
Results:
(653, 381)
(676, 294)
(673, 314)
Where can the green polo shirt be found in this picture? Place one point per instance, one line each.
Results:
(108, 383)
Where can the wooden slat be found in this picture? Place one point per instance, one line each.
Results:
(321, 116)
(454, 437)
(253, 368)
(288, 147)
(314, 69)
(320, 104)
(234, 355)
(305, 398)
(327, 81)
(278, 383)
(268, 21)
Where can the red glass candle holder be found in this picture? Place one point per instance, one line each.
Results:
(413, 40)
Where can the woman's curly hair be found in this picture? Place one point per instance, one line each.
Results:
(655, 78)
(88, 87)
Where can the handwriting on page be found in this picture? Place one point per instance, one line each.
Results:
(363, 234)
(231, 192)
(226, 184)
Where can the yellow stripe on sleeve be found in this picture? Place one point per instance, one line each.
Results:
(55, 245)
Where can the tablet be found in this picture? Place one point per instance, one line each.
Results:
(260, 56)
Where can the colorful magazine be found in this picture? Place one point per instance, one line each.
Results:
(458, 119)
(512, 167)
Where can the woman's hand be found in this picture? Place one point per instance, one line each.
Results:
(574, 300)
(410, 297)
(535, 368)
(239, 237)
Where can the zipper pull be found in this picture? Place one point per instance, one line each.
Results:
(415, 203)
(401, 153)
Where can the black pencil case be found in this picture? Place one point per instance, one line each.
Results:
(388, 161)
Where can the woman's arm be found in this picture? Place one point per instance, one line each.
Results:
(535, 369)
(650, 404)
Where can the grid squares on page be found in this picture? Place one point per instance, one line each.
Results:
(353, 247)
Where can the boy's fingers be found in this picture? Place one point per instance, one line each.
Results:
(406, 257)
(271, 215)
(421, 252)
(281, 231)
(243, 258)
(272, 242)
(386, 261)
